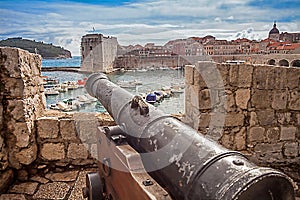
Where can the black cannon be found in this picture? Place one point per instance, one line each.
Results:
(185, 164)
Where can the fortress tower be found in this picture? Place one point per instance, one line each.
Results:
(98, 53)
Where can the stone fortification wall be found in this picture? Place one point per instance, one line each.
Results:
(69, 139)
(33, 140)
(21, 103)
(260, 110)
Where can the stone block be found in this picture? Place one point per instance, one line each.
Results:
(16, 109)
(256, 134)
(272, 135)
(53, 151)
(194, 94)
(268, 148)
(9, 62)
(230, 105)
(260, 77)
(284, 118)
(234, 119)
(77, 151)
(204, 99)
(266, 117)
(13, 88)
(22, 133)
(6, 177)
(242, 97)
(288, 133)
(204, 120)
(24, 188)
(291, 149)
(294, 103)
(279, 101)
(67, 129)
(94, 151)
(63, 176)
(253, 119)
(28, 155)
(241, 75)
(47, 127)
(240, 140)
(224, 72)
(298, 119)
(226, 141)
(189, 74)
(276, 78)
(293, 75)
(261, 99)
(207, 74)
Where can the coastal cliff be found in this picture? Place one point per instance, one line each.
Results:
(45, 50)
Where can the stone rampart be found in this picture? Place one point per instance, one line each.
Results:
(34, 140)
(256, 107)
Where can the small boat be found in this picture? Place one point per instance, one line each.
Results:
(159, 96)
(151, 98)
(63, 106)
(73, 103)
(71, 85)
(59, 88)
(50, 91)
(83, 98)
(50, 81)
(81, 83)
(141, 70)
(129, 84)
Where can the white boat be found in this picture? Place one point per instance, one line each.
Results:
(50, 91)
(63, 106)
(71, 85)
(177, 89)
(129, 84)
(59, 88)
(83, 98)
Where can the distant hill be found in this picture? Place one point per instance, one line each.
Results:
(45, 50)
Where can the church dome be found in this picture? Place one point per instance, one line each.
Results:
(274, 30)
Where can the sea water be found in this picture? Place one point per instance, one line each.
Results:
(152, 80)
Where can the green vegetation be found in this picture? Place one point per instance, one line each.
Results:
(45, 50)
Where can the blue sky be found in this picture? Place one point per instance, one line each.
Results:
(138, 22)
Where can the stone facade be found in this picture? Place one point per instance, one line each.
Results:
(258, 109)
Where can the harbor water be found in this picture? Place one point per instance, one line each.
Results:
(152, 80)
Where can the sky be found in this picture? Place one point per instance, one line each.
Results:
(64, 22)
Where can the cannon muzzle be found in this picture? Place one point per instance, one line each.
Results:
(187, 164)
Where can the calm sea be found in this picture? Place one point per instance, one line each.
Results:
(151, 80)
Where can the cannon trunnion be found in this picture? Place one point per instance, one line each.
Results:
(151, 155)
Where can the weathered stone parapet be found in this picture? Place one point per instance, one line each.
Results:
(261, 109)
(21, 102)
(65, 139)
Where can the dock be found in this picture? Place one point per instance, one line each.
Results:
(65, 69)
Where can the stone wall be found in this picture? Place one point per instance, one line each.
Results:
(257, 109)
(69, 139)
(34, 140)
(21, 103)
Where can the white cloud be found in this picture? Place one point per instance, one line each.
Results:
(141, 22)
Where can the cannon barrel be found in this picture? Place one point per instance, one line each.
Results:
(187, 164)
